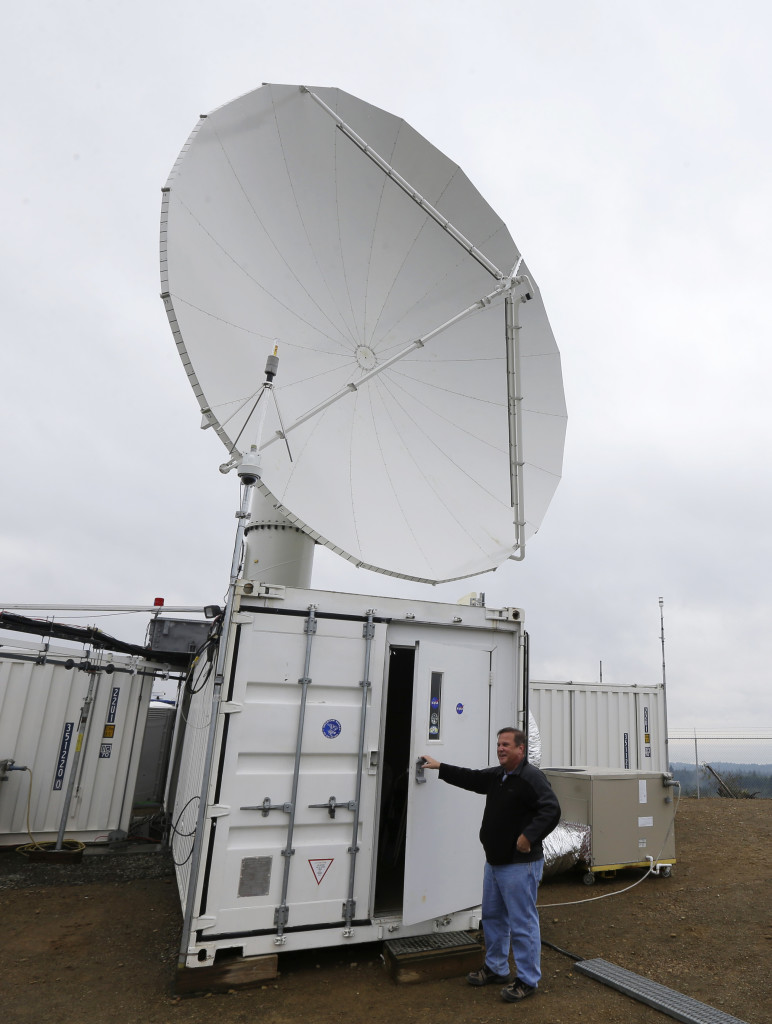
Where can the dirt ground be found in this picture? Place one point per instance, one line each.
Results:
(106, 952)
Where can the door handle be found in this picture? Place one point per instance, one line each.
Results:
(267, 806)
(333, 804)
(419, 770)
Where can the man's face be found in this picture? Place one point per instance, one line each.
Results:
(509, 755)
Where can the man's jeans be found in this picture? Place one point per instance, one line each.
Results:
(509, 911)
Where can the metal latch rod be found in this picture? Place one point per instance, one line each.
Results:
(267, 806)
(332, 805)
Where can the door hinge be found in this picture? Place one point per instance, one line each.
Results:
(281, 916)
(217, 811)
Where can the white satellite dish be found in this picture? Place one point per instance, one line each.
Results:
(420, 386)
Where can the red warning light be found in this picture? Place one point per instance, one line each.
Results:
(158, 602)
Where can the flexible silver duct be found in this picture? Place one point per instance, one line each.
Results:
(570, 843)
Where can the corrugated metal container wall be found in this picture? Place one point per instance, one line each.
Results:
(600, 725)
(39, 714)
(187, 771)
(550, 705)
(154, 757)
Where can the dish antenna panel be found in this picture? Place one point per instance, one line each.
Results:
(418, 420)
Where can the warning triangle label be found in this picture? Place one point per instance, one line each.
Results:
(320, 868)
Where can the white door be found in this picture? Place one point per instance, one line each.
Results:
(451, 721)
(248, 879)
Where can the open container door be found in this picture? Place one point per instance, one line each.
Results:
(451, 721)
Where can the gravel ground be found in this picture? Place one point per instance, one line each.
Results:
(106, 950)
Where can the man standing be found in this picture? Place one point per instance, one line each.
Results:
(520, 810)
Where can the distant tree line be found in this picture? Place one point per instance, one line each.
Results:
(744, 781)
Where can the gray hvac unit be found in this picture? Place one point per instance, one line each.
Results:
(630, 815)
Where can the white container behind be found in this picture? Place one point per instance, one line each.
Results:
(600, 725)
(39, 714)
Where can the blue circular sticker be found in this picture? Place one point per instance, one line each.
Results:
(459, 709)
(331, 728)
(435, 702)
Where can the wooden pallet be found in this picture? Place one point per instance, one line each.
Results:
(432, 957)
(238, 972)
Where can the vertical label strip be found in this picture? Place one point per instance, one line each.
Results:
(113, 710)
(64, 753)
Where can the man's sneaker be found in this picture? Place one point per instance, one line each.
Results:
(516, 991)
(485, 976)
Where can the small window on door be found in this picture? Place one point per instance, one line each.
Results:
(435, 706)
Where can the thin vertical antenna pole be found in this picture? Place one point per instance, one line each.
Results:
(217, 688)
(664, 677)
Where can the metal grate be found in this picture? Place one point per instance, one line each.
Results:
(664, 999)
(429, 943)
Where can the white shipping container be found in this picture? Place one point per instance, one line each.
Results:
(319, 827)
(40, 705)
(601, 725)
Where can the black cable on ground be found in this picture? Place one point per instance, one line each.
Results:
(565, 952)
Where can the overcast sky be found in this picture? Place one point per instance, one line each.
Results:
(626, 146)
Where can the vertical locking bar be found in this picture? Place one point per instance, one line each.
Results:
(93, 682)
(349, 907)
(282, 911)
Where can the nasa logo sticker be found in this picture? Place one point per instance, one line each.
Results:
(459, 709)
(331, 728)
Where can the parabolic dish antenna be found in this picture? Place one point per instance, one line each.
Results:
(420, 389)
